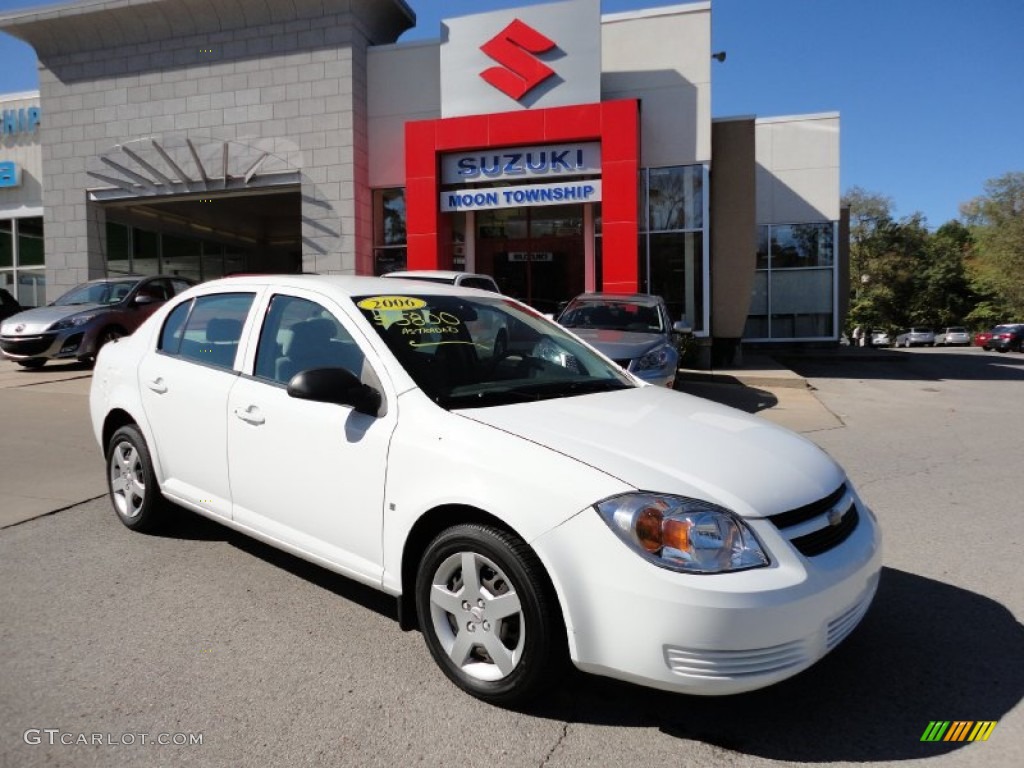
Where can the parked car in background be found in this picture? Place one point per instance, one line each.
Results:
(916, 337)
(8, 304)
(880, 338)
(80, 322)
(1007, 338)
(522, 513)
(633, 329)
(449, 277)
(983, 339)
(954, 336)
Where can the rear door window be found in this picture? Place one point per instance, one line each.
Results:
(207, 329)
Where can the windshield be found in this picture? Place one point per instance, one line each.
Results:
(469, 352)
(612, 316)
(105, 292)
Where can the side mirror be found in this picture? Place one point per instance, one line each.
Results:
(335, 385)
(681, 326)
(144, 298)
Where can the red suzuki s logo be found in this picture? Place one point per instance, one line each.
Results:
(520, 70)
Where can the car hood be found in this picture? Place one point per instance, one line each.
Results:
(39, 319)
(664, 441)
(620, 345)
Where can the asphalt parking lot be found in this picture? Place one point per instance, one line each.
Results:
(273, 661)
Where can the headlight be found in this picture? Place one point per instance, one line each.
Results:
(655, 359)
(72, 322)
(683, 534)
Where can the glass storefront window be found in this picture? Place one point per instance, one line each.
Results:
(119, 260)
(145, 252)
(30, 241)
(6, 244)
(672, 239)
(793, 291)
(389, 217)
(801, 245)
(677, 275)
(21, 260)
(31, 287)
(389, 230)
(676, 198)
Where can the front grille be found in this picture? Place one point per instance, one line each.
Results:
(30, 345)
(830, 534)
(809, 511)
(824, 539)
(732, 664)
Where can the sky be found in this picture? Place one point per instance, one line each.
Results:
(930, 92)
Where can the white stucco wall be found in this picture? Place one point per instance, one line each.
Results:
(797, 168)
(662, 56)
(393, 98)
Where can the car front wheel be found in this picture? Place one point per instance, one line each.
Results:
(488, 614)
(132, 481)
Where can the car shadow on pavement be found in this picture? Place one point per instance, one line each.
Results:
(749, 399)
(926, 651)
(189, 526)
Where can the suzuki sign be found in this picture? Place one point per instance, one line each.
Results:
(544, 55)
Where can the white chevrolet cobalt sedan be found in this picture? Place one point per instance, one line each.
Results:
(524, 504)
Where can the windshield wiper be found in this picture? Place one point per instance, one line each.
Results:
(531, 393)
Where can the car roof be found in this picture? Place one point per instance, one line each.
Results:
(644, 299)
(445, 274)
(343, 285)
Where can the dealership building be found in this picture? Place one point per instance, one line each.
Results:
(558, 149)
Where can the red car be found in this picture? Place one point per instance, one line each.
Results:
(983, 339)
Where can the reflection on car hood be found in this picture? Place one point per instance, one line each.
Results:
(620, 345)
(659, 440)
(39, 319)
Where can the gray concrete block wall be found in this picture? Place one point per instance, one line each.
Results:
(259, 83)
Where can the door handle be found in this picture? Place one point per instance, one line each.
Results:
(250, 415)
(157, 385)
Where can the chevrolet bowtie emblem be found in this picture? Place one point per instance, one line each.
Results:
(514, 48)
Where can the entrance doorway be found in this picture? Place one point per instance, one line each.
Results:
(535, 254)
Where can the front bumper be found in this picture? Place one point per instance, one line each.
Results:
(71, 343)
(707, 634)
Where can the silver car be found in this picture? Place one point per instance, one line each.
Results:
(76, 325)
(632, 329)
(916, 337)
(955, 336)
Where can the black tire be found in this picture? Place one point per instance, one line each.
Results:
(131, 481)
(32, 362)
(530, 642)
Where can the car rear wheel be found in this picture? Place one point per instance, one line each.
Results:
(488, 614)
(132, 481)
(33, 362)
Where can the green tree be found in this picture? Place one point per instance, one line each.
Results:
(887, 258)
(996, 220)
(943, 294)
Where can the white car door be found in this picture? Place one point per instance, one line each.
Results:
(184, 384)
(308, 475)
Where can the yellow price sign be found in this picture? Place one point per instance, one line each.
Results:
(391, 303)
